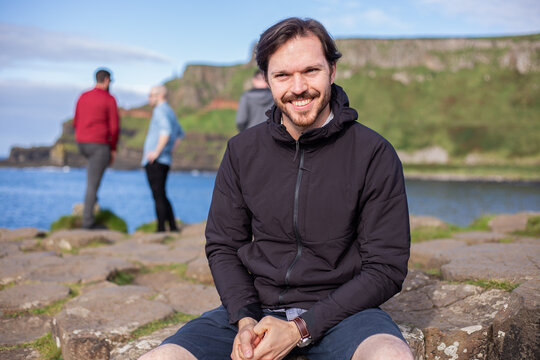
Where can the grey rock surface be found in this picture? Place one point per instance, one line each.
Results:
(157, 281)
(20, 234)
(89, 325)
(157, 238)
(147, 254)
(503, 262)
(454, 318)
(439, 319)
(10, 248)
(23, 329)
(190, 298)
(17, 267)
(70, 239)
(508, 223)
(415, 338)
(134, 349)
(30, 296)
(434, 253)
(80, 269)
(516, 329)
(27, 353)
(426, 221)
(479, 237)
(199, 270)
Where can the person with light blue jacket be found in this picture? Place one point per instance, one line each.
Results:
(164, 134)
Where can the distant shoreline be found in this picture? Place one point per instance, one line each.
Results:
(408, 176)
(470, 178)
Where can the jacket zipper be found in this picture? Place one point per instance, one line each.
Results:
(299, 245)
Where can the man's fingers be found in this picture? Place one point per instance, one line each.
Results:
(246, 349)
(257, 341)
(246, 338)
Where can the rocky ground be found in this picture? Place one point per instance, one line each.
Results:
(105, 295)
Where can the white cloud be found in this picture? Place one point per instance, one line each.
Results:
(346, 16)
(508, 16)
(379, 17)
(25, 44)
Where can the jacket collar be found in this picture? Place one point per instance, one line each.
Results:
(343, 117)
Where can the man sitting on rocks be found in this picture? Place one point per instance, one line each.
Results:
(308, 230)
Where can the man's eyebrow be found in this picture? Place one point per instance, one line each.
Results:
(307, 67)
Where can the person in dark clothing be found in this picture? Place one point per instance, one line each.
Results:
(308, 230)
(254, 103)
(97, 127)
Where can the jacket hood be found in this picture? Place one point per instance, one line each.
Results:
(344, 116)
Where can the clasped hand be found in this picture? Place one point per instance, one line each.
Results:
(269, 339)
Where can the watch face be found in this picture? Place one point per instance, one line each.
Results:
(304, 342)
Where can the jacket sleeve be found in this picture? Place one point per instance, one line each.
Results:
(242, 114)
(114, 124)
(228, 228)
(383, 239)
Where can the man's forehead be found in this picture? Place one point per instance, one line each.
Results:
(296, 45)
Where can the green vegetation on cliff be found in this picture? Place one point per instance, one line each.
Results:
(495, 112)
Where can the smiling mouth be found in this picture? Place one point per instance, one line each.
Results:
(300, 103)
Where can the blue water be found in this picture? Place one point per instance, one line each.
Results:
(38, 196)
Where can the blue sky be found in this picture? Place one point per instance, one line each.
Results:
(50, 49)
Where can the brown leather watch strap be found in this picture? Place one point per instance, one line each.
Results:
(301, 324)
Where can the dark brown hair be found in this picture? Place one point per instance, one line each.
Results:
(102, 74)
(277, 35)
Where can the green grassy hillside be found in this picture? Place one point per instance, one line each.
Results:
(495, 112)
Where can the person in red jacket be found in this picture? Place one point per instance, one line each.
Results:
(97, 126)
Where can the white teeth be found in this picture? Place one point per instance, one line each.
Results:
(301, 102)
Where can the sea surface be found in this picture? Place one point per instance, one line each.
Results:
(35, 197)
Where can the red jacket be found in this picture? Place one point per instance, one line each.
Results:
(96, 118)
(320, 224)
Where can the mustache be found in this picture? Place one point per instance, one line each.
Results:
(308, 94)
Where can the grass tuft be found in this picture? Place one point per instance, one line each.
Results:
(160, 324)
(45, 345)
(532, 229)
(494, 284)
(122, 278)
(104, 217)
(49, 310)
(151, 227)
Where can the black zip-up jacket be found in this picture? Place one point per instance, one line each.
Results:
(320, 223)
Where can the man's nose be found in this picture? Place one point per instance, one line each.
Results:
(299, 84)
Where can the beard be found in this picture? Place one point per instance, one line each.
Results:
(311, 116)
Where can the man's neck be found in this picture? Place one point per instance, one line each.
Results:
(296, 131)
(102, 86)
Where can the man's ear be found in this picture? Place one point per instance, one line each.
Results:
(333, 72)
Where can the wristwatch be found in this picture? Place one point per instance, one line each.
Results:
(305, 338)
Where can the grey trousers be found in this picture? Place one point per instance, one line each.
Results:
(98, 156)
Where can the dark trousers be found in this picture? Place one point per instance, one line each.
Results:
(156, 174)
(98, 156)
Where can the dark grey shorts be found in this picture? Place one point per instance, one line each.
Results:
(210, 336)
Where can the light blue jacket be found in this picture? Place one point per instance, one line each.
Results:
(163, 122)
